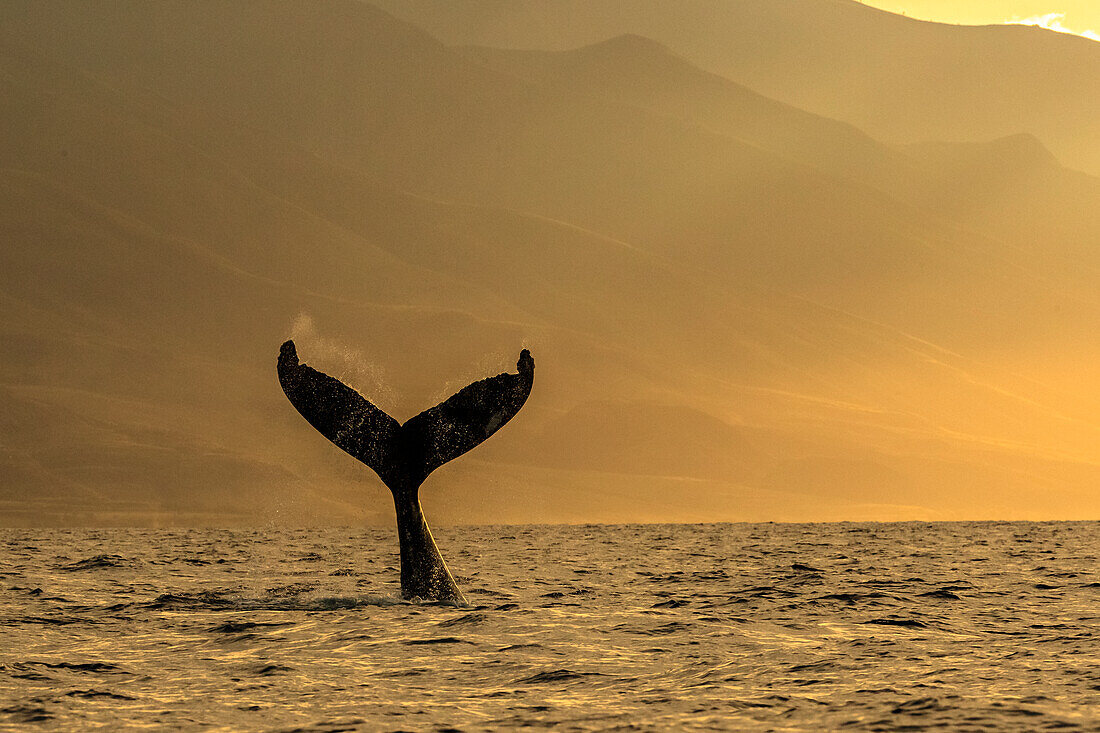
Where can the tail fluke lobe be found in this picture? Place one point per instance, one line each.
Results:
(467, 418)
(338, 412)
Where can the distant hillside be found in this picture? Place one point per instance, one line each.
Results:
(639, 72)
(902, 80)
(738, 309)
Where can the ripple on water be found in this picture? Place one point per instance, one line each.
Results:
(747, 627)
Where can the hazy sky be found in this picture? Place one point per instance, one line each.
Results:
(1079, 16)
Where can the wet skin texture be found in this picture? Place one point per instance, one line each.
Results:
(404, 455)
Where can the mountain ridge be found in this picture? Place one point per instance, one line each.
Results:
(898, 78)
(643, 261)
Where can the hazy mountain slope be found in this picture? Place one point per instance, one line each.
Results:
(900, 79)
(1012, 189)
(1015, 189)
(394, 102)
(642, 73)
(184, 188)
(410, 112)
(149, 283)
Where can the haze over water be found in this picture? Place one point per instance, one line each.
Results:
(969, 626)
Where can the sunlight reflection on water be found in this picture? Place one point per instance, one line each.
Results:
(752, 627)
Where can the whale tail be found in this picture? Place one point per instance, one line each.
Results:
(404, 454)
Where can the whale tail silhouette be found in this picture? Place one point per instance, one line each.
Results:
(403, 455)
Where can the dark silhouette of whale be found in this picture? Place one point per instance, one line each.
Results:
(403, 455)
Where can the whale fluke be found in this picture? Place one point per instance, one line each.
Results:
(404, 455)
(337, 411)
(466, 418)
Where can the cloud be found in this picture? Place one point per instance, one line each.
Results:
(1053, 22)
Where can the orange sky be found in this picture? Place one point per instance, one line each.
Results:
(1077, 16)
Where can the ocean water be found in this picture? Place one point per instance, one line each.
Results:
(957, 626)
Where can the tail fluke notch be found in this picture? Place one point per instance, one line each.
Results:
(404, 453)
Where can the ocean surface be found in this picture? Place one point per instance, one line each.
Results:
(779, 627)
